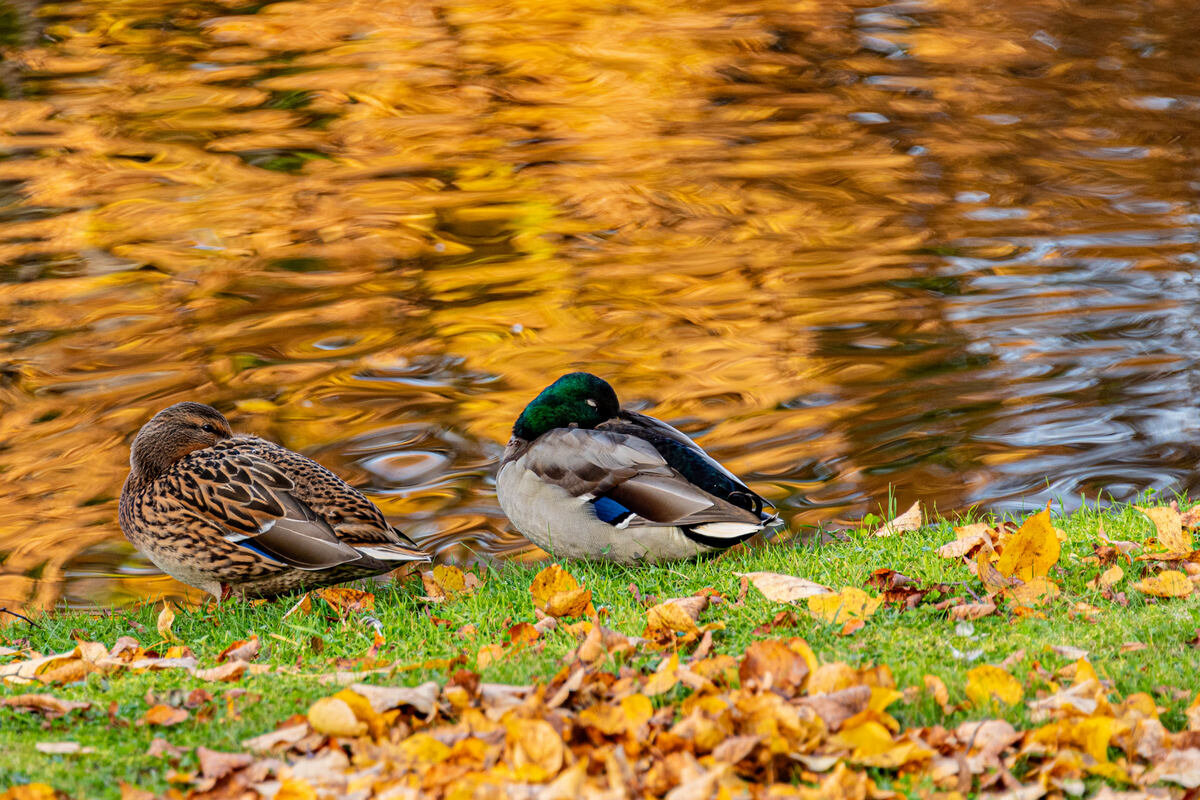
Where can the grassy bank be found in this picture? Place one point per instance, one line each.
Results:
(1135, 640)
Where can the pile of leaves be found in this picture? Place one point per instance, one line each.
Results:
(664, 714)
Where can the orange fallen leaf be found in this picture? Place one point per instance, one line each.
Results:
(242, 650)
(346, 600)
(445, 583)
(163, 715)
(771, 663)
(1108, 578)
(166, 618)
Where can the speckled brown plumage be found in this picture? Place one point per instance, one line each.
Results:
(227, 512)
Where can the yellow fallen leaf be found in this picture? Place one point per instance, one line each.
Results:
(556, 593)
(967, 538)
(1032, 550)
(166, 618)
(343, 599)
(332, 716)
(664, 678)
(941, 695)
(446, 582)
(851, 602)
(1034, 592)
(1107, 579)
(1169, 527)
(295, 789)
(987, 682)
(534, 742)
(1169, 583)
(910, 520)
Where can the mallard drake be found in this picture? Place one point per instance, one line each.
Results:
(582, 478)
(236, 514)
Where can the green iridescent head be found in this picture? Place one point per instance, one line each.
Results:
(579, 398)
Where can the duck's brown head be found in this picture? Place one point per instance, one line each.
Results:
(173, 433)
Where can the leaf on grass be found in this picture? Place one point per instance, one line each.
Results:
(1169, 526)
(47, 705)
(987, 683)
(216, 765)
(535, 743)
(910, 520)
(969, 611)
(784, 588)
(346, 600)
(850, 603)
(556, 593)
(241, 650)
(1107, 579)
(62, 748)
(1168, 583)
(163, 715)
(445, 583)
(967, 539)
(385, 698)
(675, 616)
(1067, 651)
(771, 663)
(1034, 592)
(1032, 551)
(941, 695)
(332, 716)
(166, 618)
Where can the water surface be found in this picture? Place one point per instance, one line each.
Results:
(945, 249)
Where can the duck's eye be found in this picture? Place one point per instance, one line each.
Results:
(208, 427)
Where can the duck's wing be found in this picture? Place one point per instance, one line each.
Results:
(630, 484)
(263, 507)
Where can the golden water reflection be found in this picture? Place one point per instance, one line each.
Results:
(944, 247)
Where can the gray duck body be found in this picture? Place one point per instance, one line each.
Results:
(617, 485)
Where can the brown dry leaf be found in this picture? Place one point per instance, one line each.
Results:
(784, 588)
(941, 695)
(229, 671)
(332, 716)
(968, 611)
(267, 742)
(242, 650)
(216, 765)
(163, 715)
(166, 618)
(1169, 526)
(772, 663)
(1168, 583)
(346, 600)
(1067, 651)
(446, 582)
(1032, 551)
(302, 606)
(910, 520)
(384, 698)
(131, 792)
(967, 539)
(987, 683)
(850, 603)
(556, 593)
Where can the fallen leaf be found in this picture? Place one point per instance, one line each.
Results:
(784, 588)
(1169, 583)
(216, 765)
(1032, 550)
(987, 683)
(62, 748)
(850, 603)
(967, 538)
(166, 618)
(556, 593)
(47, 705)
(1169, 529)
(163, 715)
(675, 616)
(346, 600)
(770, 663)
(968, 611)
(1067, 651)
(243, 650)
(332, 716)
(910, 520)
(1108, 578)
(445, 583)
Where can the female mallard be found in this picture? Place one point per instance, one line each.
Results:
(583, 479)
(238, 514)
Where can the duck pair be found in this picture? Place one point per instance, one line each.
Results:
(581, 478)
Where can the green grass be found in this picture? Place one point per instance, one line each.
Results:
(913, 643)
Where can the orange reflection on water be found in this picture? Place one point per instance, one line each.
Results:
(936, 247)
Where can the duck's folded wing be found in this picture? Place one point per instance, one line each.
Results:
(251, 501)
(354, 518)
(627, 479)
